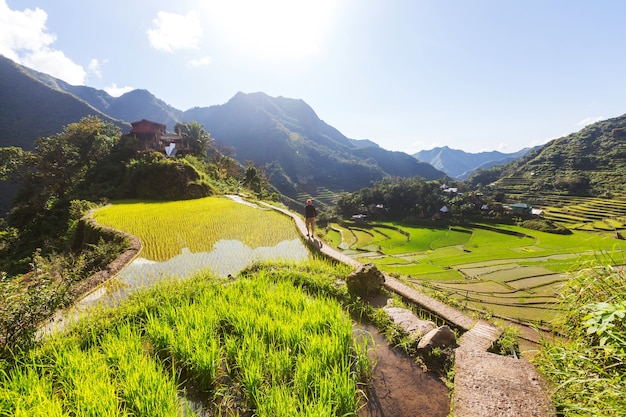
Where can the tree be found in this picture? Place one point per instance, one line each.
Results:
(252, 179)
(61, 161)
(195, 135)
(12, 159)
(49, 177)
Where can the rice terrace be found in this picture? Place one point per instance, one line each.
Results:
(502, 270)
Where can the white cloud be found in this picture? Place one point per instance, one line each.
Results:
(201, 62)
(55, 63)
(590, 120)
(25, 39)
(116, 91)
(22, 31)
(94, 67)
(174, 31)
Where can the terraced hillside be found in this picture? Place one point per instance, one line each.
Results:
(590, 162)
(506, 271)
(583, 213)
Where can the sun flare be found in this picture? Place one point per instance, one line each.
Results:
(274, 29)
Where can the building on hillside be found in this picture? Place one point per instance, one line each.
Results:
(521, 208)
(153, 137)
(360, 218)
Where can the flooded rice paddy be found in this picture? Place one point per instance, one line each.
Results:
(227, 257)
(399, 386)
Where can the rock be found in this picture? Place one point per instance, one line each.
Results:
(409, 322)
(365, 280)
(441, 337)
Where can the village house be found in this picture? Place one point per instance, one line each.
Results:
(153, 137)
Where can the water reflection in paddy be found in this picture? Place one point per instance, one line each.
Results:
(227, 257)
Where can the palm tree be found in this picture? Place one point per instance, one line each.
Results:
(196, 137)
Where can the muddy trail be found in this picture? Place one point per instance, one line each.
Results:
(399, 386)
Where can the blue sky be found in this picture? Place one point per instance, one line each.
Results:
(476, 75)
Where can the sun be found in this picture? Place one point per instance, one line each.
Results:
(273, 29)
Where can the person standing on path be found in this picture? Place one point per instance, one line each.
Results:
(310, 216)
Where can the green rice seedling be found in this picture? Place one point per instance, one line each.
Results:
(144, 387)
(165, 228)
(86, 382)
(278, 401)
(306, 376)
(250, 362)
(281, 349)
(279, 366)
(333, 236)
(338, 389)
(362, 364)
(364, 237)
(394, 237)
(311, 336)
(348, 238)
(26, 393)
(188, 334)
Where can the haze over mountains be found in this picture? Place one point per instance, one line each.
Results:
(460, 164)
(299, 152)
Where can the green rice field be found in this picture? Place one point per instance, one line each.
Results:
(504, 270)
(165, 228)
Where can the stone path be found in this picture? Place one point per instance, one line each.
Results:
(485, 384)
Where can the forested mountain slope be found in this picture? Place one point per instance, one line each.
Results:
(589, 162)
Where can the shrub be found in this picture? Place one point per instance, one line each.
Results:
(547, 226)
(157, 178)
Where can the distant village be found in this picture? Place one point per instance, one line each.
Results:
(520, 208)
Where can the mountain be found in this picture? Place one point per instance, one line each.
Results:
(299, 151)
(30, 108)
(590, 162)
(129, 107)
(460, 164)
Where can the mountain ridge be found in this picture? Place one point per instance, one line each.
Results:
(298, 151)
(291, 139)
(460, 164)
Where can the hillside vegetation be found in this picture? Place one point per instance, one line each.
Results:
(590, 162)
(45, 252)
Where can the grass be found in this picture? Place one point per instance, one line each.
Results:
(587, 368)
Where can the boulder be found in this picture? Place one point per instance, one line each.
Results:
(415, 327)
(365, 280)
(441, 337)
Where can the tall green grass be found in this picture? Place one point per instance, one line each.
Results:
(588, 368)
